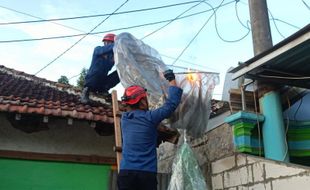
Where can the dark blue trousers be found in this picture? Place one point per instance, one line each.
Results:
(136, 180)
(100, 83)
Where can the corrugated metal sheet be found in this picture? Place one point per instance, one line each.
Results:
(286, 63)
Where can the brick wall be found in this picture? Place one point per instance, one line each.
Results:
(208, 148)
(245, 172)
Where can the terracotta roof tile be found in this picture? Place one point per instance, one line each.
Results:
(24, 93)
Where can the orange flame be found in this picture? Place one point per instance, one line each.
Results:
(192, 76)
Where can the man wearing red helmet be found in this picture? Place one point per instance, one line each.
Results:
(138, 167)
(97, 78)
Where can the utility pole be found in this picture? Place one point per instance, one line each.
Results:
(261, 34)
(274, 137)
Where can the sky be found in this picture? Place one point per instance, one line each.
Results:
(222, 42)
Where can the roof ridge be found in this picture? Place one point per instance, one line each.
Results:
(53, 84)
(58, 86)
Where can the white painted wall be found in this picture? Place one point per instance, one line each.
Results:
(61, 138)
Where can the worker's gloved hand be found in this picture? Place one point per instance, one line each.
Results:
(169, 75)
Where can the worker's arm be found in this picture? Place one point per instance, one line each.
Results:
(169, 76)
(100, 50)
(171, 103)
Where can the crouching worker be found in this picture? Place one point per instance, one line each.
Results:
(138, 167)
(97, 78)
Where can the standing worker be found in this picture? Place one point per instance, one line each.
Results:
(97, 78)
(138, 167)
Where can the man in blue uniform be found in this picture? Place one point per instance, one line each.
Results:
(138, 167)
(97, 78)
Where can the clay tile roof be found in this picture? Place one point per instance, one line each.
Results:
(24, 93)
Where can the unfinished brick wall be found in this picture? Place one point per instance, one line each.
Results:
(215, 144)
(245, 172)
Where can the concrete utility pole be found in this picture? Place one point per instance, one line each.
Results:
(261, 34)
(274, 137)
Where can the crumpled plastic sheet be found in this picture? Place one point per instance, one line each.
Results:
(139, 64)
(194, 111)
(186, 173)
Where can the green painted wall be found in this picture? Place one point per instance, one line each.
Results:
(44, 175)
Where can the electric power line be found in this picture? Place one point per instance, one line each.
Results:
(214, 12)
(273, 19)
(93, 33)
(237, 15)
(88, 16)
(221, 5)
(176, 59)
(218, 33)
(193, 70)
(188, 62)
(80, 39)
(180, 60)
(276, 19)
(172, 20)
(279, 20)
(75, 76)
(275, 24)
(30, 15)
(306, 4)
(68, 18)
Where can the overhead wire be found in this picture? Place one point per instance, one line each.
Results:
(80, 39)
(89, 16)
(190, 8)
(286, 129)
(292, 25)
(30, 15)
(180, 60)
(231, 41)
(273, 19)
(93, 33)
(190, 42)
(306, 4)
(255, 90)
(170, 21)
(237, 15)
(68, 18)
(185, 61)
(74, 76)
(275, 24)
(160, 28)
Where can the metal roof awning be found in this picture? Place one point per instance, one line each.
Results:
(288, 62)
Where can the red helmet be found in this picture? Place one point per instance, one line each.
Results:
(109, 37)
(133, 94)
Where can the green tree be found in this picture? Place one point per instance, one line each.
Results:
(63, 79)
(80, 82)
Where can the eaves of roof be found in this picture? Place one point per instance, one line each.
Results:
(27, 94)
(285, 63)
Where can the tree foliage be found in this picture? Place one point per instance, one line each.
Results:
(63, 79)
(81, 80)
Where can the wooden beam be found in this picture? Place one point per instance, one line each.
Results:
(117, 127)
(93, 159)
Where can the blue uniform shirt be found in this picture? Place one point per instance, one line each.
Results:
(102, 62)
(139, 133)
